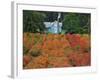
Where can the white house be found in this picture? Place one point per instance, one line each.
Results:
(53, 27)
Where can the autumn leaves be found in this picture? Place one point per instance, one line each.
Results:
(55, 50)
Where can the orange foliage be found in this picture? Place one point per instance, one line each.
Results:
(56, 50)
(59, 62)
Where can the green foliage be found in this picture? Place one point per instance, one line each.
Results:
(25, 50)
(38, 39)
(63, 32)
(76, 23)
(33, 21)
(35, 52)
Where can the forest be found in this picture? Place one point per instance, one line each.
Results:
(72, 22)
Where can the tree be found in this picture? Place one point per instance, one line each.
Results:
(76, 23)
(33, 21)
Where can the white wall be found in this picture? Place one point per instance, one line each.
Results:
(5, 38)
